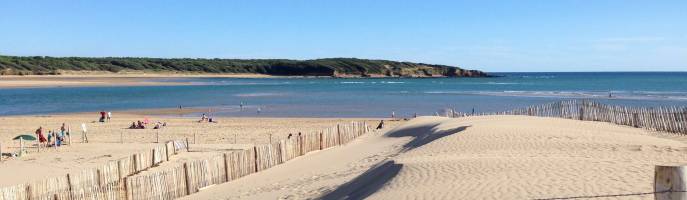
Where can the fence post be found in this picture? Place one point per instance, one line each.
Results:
(338, 133)
(670, 183)
(28, 192)
(255, 155)
(321, 141)
(101, 180)
(69, 186)
(119, 170)
(167, 150)
(136, 167)
(154, 156)
(226, 167)
(187, 146)
(581, 113)
(188, 179)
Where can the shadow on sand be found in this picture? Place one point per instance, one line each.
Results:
(373, 179)
(367, 183)
(423, 134)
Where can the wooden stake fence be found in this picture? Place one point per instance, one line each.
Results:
(104, 182)
(117, 180)
(193, 176)
(668, 119)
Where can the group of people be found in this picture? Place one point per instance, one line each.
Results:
(137, 125)
(142, 125)
(205, 118)
(55, 137)
(105, 116)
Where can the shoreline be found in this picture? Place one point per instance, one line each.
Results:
(187, 113)
(108, 80)
(103, 79)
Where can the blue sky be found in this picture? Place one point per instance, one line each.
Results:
(623, 35)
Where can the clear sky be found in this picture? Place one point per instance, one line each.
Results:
(519, 35)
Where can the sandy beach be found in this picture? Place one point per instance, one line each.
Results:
(113, 140)
(488, 157)
(91, 79)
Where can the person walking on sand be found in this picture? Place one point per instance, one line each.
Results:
(41, 137)
(109, 116)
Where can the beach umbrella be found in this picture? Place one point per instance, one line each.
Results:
(25, 137)
(21, 139)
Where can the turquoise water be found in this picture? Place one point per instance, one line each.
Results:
(328, 97)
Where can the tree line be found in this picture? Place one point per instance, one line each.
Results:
(39, 65)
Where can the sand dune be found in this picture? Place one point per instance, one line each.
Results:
(515, 157)
(489, 157)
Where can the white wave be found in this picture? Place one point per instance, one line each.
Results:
(501, 83)
(352, 82)
(263, 94)
(539, 77)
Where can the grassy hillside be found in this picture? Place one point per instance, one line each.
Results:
(340, 67)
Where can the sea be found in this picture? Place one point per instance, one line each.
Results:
(357, 97)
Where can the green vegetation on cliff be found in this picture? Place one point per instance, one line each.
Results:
(338, 67)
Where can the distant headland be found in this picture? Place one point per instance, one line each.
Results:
(330, 67)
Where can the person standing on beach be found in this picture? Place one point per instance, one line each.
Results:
(102, 116)
(259, 110)
(84, 137)
(63, 129)
(109, 116)
(241, 105)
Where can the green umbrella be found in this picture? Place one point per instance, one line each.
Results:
(25, 137)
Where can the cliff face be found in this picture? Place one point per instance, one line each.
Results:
(335, 67)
